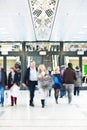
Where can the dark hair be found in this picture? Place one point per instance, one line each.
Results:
(70, 65)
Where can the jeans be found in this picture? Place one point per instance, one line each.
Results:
(76, 91)
(69, 89)
(1, 94)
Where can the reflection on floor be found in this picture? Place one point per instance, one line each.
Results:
(62, 116)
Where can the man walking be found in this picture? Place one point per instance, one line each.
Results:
(68, 79)
(30, 79)
(3, 83)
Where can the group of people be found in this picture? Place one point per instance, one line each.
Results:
(11, 82)
(69, 81)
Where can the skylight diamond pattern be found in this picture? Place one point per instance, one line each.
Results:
(43, 12)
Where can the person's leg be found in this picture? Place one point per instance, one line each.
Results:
(78, 91)
(70, 91)
(12, 100)
(56, 95)
(15, 100)
(43, 103)
(49, 92)
(2, 95)
(32, 90)
(75, 91)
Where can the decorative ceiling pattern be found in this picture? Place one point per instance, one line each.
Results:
(43, 20)
(43, 13)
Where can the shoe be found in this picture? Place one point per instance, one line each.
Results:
(12, 105)
(56, 102)
(69, 101)
(32, 105)
(43, 106)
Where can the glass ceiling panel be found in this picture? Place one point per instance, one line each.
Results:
(43, 13)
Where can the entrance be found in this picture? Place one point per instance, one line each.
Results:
(50, 61)
(73, 60)
(77, 61)
(11, 61)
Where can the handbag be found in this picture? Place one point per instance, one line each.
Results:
(46, 82)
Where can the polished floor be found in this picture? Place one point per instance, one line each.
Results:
(62, 116)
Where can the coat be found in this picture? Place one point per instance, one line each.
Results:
(57, 81)
(15, 80)
(69, 76)
(78, 81)
(3, 78)
(26, 79)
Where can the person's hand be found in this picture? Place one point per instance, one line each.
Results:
(23, 84)
(6, 87)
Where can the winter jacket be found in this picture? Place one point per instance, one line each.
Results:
(69, 76)
(78, 81)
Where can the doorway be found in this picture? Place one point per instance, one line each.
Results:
(11, 61)
(73, 60)
(50, 61)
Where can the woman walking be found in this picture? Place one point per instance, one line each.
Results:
(57, 83)
(43, 78)
(78, 81)
(13, 85)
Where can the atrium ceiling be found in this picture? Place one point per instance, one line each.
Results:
(43, 20)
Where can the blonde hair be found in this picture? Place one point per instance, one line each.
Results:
(41, 68)
(56, 70)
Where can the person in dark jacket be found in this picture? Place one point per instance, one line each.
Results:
(69, 77)
(3, 84)
(13, 85)
(30, 80)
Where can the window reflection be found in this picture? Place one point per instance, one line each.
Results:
(42, 47)
(10, 47)
(75, 47)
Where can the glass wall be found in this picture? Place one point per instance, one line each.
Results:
(42, 46)
(10, 47)
(75, 47)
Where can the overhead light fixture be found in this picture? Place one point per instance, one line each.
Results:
(42, 53)
(80, 52)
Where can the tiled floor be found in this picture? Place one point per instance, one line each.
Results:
(62, 116)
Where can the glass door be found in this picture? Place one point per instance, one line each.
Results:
(73, 60)
(12, 61)
(50, 61)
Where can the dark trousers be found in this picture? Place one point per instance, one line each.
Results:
(1, 94)
(76, 91)
(32, 90)
(13, 100)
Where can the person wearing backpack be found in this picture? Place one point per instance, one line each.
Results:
(57, 82)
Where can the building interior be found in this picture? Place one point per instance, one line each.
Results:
(51, 32)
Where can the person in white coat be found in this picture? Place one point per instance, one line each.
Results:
(42, 74)
(78, 81)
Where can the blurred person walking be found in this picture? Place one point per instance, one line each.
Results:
(69, 76)
(44, 82)
(57, 83)
(3, 84)
(78, 81)
(13, 81)
(30, 80)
